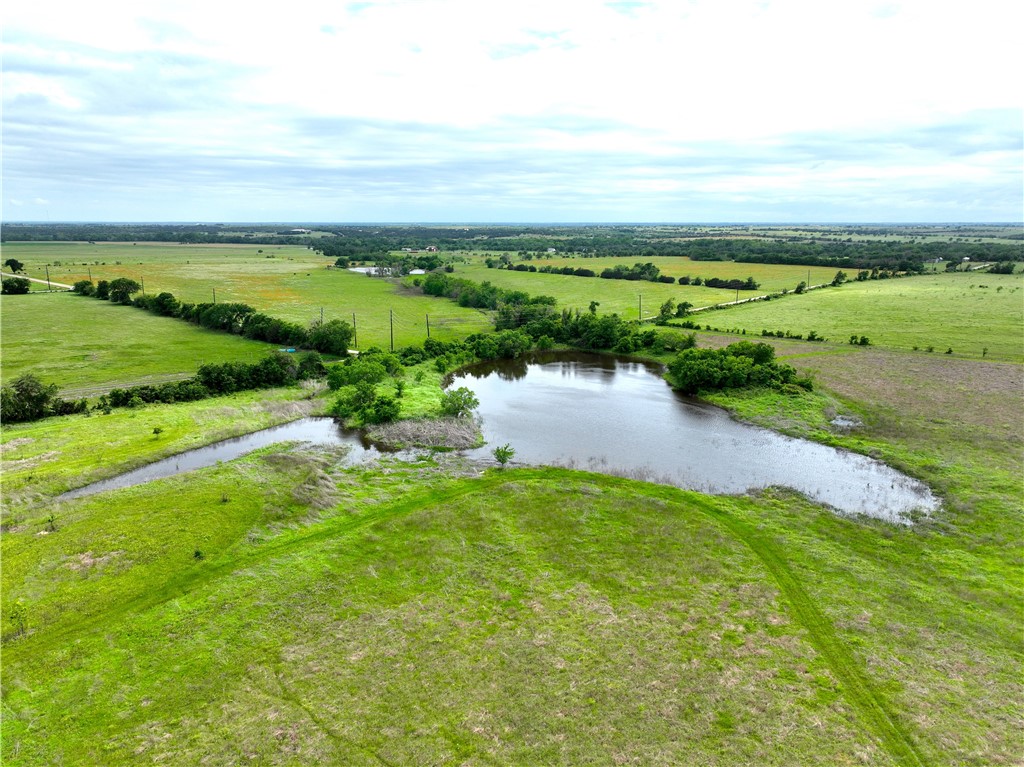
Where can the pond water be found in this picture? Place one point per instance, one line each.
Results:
(600, 413)
(611, 415)
(316, 431)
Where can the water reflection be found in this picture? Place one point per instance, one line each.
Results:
(619, 416)
(316, 431)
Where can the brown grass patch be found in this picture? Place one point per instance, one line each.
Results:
(974, 394)
(454, 433)
(14, 444)
(87, 561)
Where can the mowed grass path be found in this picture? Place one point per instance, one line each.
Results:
(289, 282)
(85, 346)
(967, 312)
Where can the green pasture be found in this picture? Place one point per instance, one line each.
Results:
(287, 608)
(417, 611)
(772, 277)
(86, 346)
(289, 282)
(625, 297)
(968, 312)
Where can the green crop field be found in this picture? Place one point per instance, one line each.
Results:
(968, 312)
(85, 346)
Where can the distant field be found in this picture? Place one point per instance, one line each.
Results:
(289, 282)
(623, 296)
(84, 345)
(968, 312)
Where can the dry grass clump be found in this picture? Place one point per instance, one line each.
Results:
(453, 433)
(314, 486)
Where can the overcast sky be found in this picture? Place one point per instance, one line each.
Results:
(451, 111)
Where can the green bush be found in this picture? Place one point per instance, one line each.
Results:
(12, 286)
(738, 365)
(458, 403)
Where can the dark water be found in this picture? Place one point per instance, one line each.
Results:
(604, 414)
(317, 431)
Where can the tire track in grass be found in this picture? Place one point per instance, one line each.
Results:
(231, 561)
(858, 690)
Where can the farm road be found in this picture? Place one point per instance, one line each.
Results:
(34, 279)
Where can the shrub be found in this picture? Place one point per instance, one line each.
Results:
(13, 286)
(504, 453)
(458, 403)
(354, 371)
(26, 399)
(382, 409)
(738, 365)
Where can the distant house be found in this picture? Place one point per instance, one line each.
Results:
(431, 249)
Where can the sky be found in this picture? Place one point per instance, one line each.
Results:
(555, 111)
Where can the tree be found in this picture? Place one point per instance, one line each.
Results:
(801, 287)
(14, 265)
(331, 337)
(15, 286)
(839, 279)
(458, 403)
(121, 289)
(26, 399)
(666, 311)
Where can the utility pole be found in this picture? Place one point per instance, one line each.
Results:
(321, 315)
(143, 280)
(392, 313)
(355, 337)
(428, 326)
(48, 278)
(215, 295)
(90, 274)
(640, 310)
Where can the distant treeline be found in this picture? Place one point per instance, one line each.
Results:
(362, 242)
(647, 272)
(537, 317)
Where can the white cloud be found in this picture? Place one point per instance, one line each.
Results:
(572, 103)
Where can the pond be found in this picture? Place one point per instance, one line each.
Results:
(611, 415)
(606, 414)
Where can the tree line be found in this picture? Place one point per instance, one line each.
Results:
(329, 337)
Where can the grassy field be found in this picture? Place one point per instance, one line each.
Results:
(87, 346)
(289, 282)
(625, 297)
(286, 608)
(967, 312)
(442, 615)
